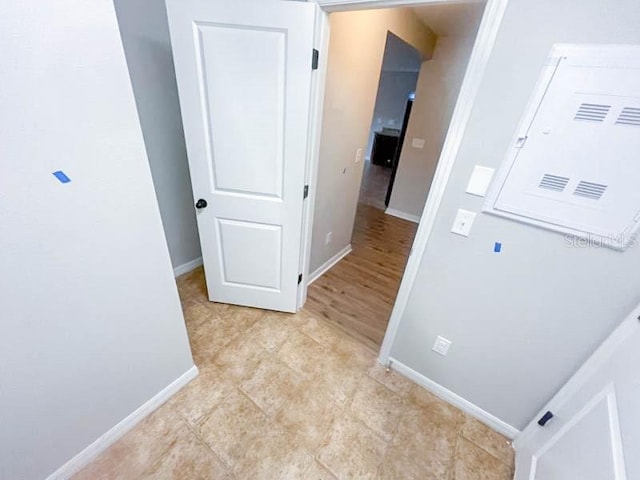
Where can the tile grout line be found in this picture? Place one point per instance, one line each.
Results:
(452, 460)
(484, 449)
(459, 428)
(196, 433)
(346, 408)
(389, 445)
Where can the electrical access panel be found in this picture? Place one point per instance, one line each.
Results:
(574, 164)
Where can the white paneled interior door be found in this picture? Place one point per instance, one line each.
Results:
(594, 433)
(244, 79)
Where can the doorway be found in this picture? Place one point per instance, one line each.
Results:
(252, 281)
(365, 223)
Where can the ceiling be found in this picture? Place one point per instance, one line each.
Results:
(452, 18)
(444, 19)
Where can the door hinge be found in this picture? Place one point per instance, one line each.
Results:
(305, 194)
(520, 141)
(299, 279)
(315, 56)
(545, 418)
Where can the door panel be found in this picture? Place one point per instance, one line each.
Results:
(563, 456)
(595, 431)
(250, 253)
(244, 79)
(246, 116)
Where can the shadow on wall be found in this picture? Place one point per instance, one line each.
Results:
(145, 36)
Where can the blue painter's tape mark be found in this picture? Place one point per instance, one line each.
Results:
(497, 247)
(61, 176)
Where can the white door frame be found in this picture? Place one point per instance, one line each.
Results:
(485, 39)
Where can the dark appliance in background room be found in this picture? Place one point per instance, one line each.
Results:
(396, 155)
(385, 144)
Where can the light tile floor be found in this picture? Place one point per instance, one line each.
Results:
(288, 397)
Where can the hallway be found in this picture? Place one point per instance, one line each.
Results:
(358, 293)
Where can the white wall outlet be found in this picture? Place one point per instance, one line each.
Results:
(418, 143)
(328, 238)
(358, 155)
(441, 346)
(462, 223)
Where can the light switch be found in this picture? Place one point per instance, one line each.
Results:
(358, 155)
(462, 223)
(417, 143)
(479, 181)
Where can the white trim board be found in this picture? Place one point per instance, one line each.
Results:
(326, 266)
(187, 267)
(405, 216)
(485, 39)
(341, 5)
(318, 83)
(455, 400)
(86, 456)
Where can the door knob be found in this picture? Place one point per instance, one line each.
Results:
(202, 203)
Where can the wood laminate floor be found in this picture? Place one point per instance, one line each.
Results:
(357, 295)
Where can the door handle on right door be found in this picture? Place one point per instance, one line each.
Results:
(201, 203)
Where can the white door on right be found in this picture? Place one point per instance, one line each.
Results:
(594, 433)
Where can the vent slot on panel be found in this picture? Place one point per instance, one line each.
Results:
(629, 116)
(592, 112)
(590, 190)
(553, 182)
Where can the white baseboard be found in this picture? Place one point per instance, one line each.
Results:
(405, 216)
(86, 456)
(455, 400)
(187, 267)
(328, 264)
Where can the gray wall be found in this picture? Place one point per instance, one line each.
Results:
(521, 321)
(400, 66)
(436, 95)
(391, 101)
(145, 34)
(91, 325)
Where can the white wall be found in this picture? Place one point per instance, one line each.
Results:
(436, 94)
(521, 321)
(91, 325)
(356, 50)
(145, 34)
